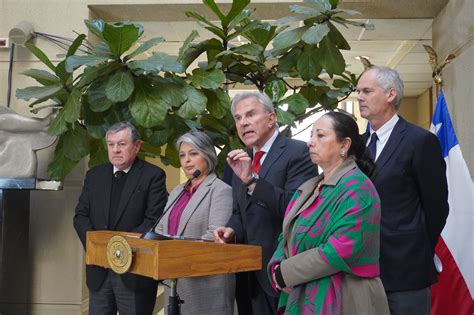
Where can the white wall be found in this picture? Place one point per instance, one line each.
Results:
(453, 31)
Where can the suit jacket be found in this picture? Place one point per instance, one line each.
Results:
(141, 203)
(209, 207)
(257, 219)
(411, 182)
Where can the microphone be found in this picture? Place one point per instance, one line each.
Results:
(151, 234)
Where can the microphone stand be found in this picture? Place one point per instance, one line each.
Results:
(151, 234)
(174, 302)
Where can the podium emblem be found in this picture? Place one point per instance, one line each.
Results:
(119, 254)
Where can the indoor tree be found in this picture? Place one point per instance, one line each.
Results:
(96, 85)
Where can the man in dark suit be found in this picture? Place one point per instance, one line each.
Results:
(265, 177)
(411, 182)
(127, 194)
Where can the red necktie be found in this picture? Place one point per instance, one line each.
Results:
(256, 161)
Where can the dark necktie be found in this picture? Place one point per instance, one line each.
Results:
(373, 145)
(256, 161)
(119, 174)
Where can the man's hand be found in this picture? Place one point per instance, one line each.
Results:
(241, 164)
(224, 235)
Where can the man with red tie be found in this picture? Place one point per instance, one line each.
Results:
(265, 178)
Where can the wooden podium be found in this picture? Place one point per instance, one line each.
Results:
(172, 259)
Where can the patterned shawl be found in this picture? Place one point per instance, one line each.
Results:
(343, 225)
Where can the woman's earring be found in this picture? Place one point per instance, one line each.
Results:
(342, 154)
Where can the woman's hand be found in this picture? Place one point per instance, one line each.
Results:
(286, 289)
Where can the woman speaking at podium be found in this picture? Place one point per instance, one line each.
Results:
(194, 210)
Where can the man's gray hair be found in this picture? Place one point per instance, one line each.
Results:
(122, 126)
(389, 78)
(262, 98)
(202, 143)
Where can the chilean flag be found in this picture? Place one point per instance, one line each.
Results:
(454, 292)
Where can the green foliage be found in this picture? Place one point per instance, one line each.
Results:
(111, 81)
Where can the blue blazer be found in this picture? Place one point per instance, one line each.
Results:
(411, 181)
(258, 219)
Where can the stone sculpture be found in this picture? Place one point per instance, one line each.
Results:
(20, 138)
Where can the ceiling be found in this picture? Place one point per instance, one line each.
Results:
(401, 28)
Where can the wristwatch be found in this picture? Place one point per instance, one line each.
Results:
(254, 177)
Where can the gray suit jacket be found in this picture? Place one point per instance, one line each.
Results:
(209, 208)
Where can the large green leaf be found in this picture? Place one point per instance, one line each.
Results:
(194, 51)
(98, 153)
(75, 45)
(309, 62)
(312, 93)
(275, 90)
(322, 5)
(102, 50)
(147, 107)
(119, 86)
(237, 8)
(288, 62)
(194, 105)
(249, 49)
(304, 10)
(285, 117)
(59, 125)
(242, 15)
(171, 154)
(120, 36)
(61, 165)
(218, 102)
(144, 47)
(211, 123)
(96, 27)
(289, 38)
(208, 79)
(331, 58)
(158, 62)
(241, 30)
(72, 109)
(41, 56)
(42, 76)
(210, 26)
(96, 98)
(38, 92)
(337, 38)
(95, 123)
(261, 35)
(297, 103)
(76, 143)
(91, 74)
(315, 34)
(187, 45)
(159, 137)
(211, 4)
(65, 76)
(75, 62)
(171, 92)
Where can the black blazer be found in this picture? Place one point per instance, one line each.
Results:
(258, 219)
(143, 199)
(411, 182)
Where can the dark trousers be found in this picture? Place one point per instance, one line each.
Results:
(413, 302)
(114, 296)
(251, 298)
